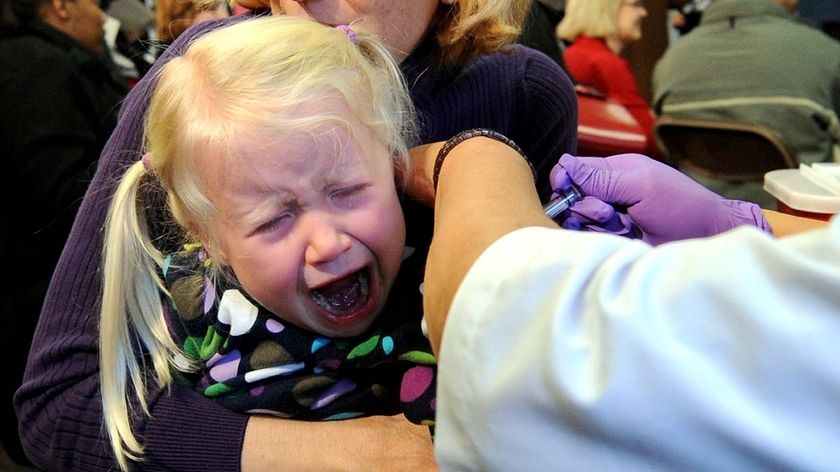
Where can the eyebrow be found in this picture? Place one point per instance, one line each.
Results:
(268, 206)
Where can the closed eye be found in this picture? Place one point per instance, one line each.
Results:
(348, 196)
(277, 223)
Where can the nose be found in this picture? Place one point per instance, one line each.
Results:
(326, 241)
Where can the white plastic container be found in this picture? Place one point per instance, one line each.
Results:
(799, 195)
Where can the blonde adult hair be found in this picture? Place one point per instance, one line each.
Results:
(463, 28)
(594, 18)
(173, 17)
(249, 80)
(467, 28)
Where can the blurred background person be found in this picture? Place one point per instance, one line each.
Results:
(173, 17)
(596, 32)
(128, 36)
(754, 61)
(60, 94)
(686, 14)
(539, 29)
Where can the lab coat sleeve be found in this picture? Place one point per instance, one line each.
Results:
(582, 351)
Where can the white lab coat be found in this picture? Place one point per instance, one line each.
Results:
(567, 351)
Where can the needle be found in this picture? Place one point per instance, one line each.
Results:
(562, 203)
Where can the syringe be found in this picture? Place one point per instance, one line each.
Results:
(562, 203)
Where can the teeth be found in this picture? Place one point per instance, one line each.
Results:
(319, 299)
(364, 283)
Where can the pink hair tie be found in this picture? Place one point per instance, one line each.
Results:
(147, 161)
(350, 33)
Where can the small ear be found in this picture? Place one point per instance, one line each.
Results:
(219, 263)
(60, 8)
(218, 257)
(212, 249)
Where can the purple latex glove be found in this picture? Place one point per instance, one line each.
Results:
(591, 213)
(649, 199)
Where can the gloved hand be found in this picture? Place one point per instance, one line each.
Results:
(649, 199)
(591, 213)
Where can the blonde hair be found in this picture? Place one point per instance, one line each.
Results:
(245, 78)
(594, 18)
(468, 28)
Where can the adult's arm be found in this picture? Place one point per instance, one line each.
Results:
(59, 405)
(364, 444)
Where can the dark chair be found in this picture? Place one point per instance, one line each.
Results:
(721, 149)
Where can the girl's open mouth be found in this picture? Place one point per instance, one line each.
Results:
(346, 297)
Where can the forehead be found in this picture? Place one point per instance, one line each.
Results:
(331, 150)
(320, 129)
(328, 146)
(317, 137)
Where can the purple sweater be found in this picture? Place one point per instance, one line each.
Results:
(523, 95)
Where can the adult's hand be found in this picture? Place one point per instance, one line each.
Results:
(361, 444)
(650, 199)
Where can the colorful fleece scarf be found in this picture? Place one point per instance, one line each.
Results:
(254, 362)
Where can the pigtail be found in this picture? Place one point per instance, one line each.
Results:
(131, 314)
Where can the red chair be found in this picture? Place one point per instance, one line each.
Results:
(605, 127)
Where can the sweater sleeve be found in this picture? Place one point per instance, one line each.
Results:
(546, 116)
(58, 405)
(521, 93)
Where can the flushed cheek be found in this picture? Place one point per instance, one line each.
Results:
(396, 247)
(269, 278)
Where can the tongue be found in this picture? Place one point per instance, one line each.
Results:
(343, 295)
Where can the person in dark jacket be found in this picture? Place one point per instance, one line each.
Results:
(60, 98)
